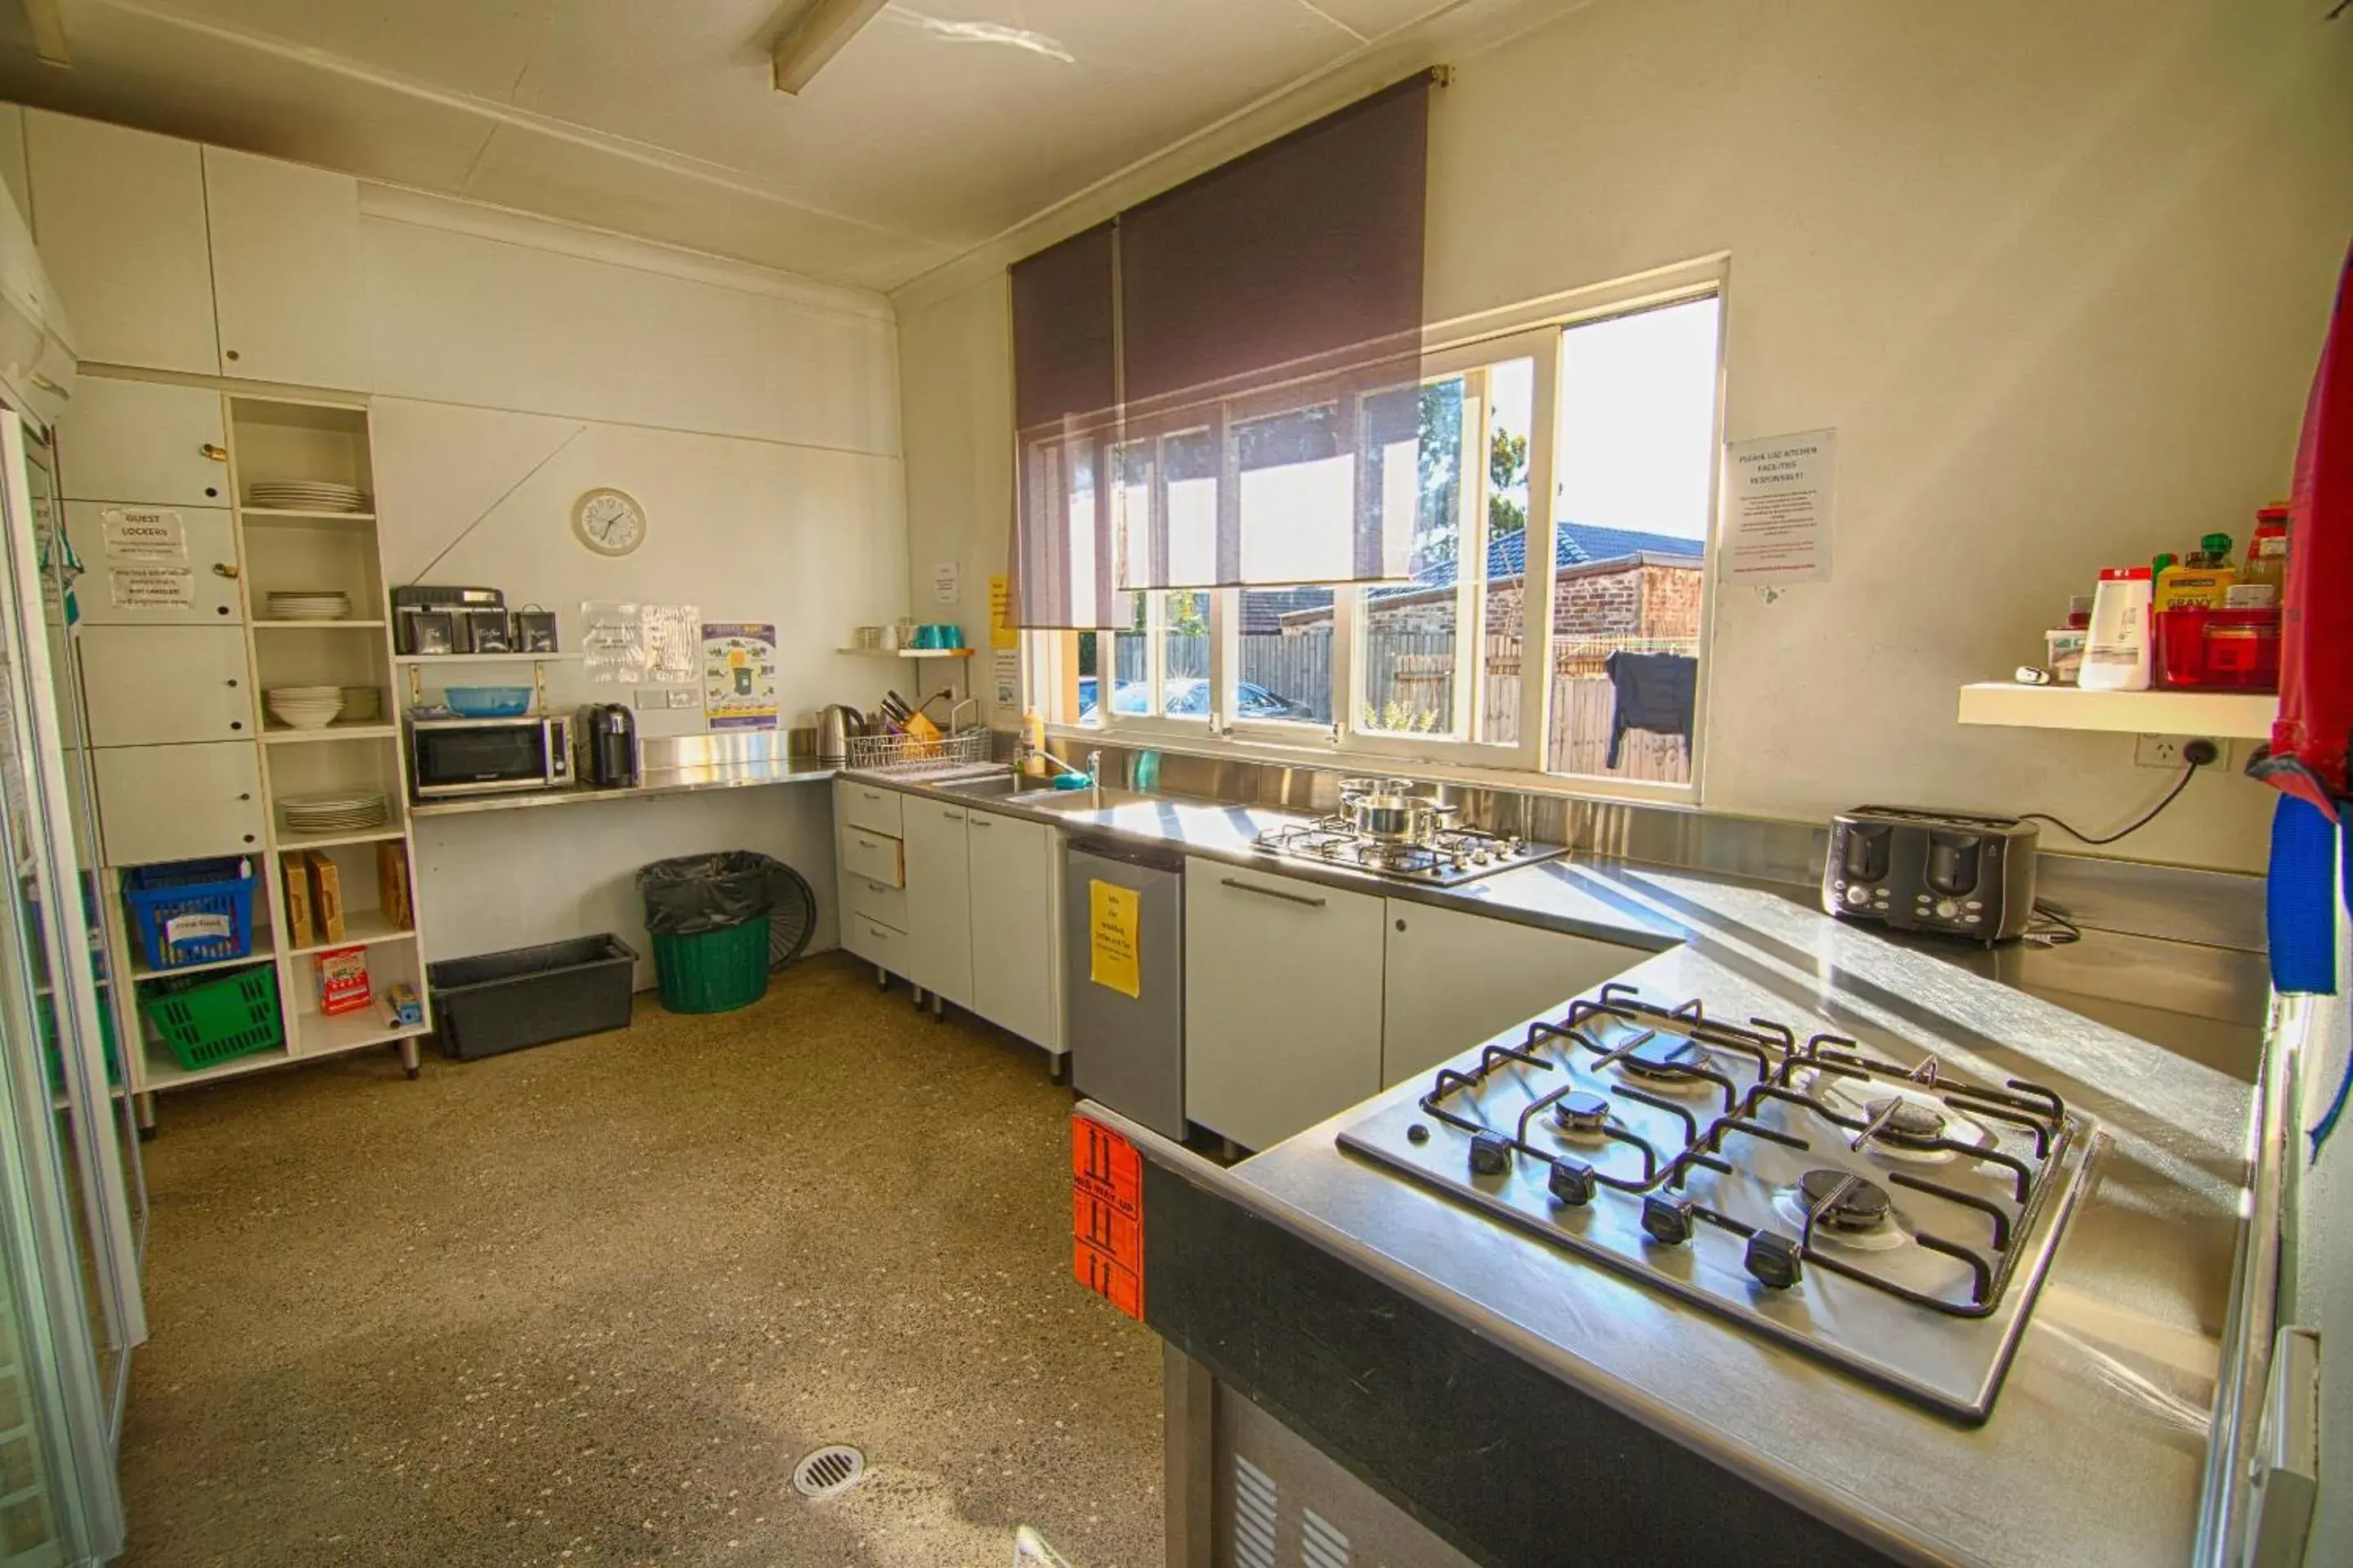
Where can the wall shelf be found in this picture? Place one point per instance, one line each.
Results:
(262, 952)
(365, 928)
(295, 514)
(909, 652)
(2223, 714)
(426, 659)
(261, 625)
(342, 730)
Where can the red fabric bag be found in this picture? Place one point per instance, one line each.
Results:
(2311, 739)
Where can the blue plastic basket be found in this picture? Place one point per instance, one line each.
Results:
(196, 911)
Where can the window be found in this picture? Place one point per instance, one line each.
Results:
(1548, 612)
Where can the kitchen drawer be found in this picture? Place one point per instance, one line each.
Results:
(870, 806)
(150, 686)
(142, 441)
(155, 566)
(179, 802)
(876, 901)
(875, 942)
(873, 858)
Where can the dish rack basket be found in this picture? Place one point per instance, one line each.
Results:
(908, 757)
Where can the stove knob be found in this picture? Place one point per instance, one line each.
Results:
(1668, 1220)
(1489, 1154)
(1572, 1182)
(1946, 908)
(1858, 895)
(1774, 1259)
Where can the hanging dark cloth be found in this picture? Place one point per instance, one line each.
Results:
(1655, 691)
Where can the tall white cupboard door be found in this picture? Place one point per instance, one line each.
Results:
(161, 685)
(155, 565)
(1013, 924)
(142, 442)
(178, 803)
(120, 219)
(1282, 1000)
(939, 900)
(1454, 980)
(286, 270)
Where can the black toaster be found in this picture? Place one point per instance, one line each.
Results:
(1947, 871)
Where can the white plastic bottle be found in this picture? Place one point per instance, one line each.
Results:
(2115, 656)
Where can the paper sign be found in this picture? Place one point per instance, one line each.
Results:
(1781, 508)
(1113, 915)
(143, 533)
(739, 675)
(948, 582)
(153, 588)
(1005, 682)
(1002, 632)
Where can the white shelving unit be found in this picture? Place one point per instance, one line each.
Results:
(2222, 714)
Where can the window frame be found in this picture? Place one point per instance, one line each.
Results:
(1483, 338)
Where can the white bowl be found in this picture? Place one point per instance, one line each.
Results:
(313, 715)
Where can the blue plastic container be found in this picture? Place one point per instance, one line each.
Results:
(488, 702)
(195, 911)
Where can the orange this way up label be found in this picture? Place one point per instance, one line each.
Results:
(1107, 1216)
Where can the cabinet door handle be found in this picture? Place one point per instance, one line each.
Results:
(868, 844)
(232, 683)
(237, 723)
(245, 795)
(952, 815)
(215, 450)
(1272, 893)
(869, 794)
(878, 933)
(978, 821)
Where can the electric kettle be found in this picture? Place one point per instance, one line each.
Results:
(836, 722)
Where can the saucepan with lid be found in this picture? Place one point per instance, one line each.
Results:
(1392, 809)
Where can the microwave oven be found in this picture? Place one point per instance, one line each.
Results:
(451, 757)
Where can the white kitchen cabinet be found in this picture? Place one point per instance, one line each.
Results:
(1455, 980)
(875, 900)
(134, 578)
(179, 802)
(939, 900)
(287, 291)
(1282, 1000)
(157, 686)
(1013, 924)
(873, 857)
(120, 219)
(144, 443)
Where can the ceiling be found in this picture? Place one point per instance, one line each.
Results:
(915, 145)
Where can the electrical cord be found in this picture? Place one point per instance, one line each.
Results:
(2197, 753)
(2055, 930)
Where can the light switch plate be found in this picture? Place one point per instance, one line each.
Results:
(681, 697)
(649, 696)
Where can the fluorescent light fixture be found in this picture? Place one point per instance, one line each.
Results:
(986, 33)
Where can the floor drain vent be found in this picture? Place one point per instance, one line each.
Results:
(830, 1471)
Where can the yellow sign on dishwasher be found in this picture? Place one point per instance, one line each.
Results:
(1116, 916)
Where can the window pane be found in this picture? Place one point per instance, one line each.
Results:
(1185, 653)
(1409, 633)
(1090, 657)
(1282, 671)
(1131, 653)
(1636, 469)
(1298, 489)
(1511, 415)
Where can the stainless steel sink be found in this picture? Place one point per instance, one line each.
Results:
(989, 786)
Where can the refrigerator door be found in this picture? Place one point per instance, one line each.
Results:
(65, 1180)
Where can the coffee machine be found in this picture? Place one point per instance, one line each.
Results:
(608, 745)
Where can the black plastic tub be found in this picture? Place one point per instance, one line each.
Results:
(500, 1002)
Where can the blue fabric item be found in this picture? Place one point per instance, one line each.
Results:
(2302, 895)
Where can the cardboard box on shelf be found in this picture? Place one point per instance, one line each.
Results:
(392, 885)
(298, 928)
(326, 894)
(342, 979)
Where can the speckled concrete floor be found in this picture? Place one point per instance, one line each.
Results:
(587, 1304)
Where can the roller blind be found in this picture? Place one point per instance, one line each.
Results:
(1217, 387)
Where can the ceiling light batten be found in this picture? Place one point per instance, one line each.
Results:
(47, 19)
(821, 33)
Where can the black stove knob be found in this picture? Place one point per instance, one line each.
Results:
(1489, 1154)
(1668, 1220)
(1774, 1259)
(1572, 1182)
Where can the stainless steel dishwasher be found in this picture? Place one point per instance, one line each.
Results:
(1127, 1051)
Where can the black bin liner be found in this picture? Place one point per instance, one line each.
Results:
(696, 893)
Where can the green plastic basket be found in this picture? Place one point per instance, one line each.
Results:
(206, 1019)
(714, 971)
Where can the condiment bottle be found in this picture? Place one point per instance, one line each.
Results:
(2267, 551)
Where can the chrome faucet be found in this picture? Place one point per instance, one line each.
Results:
(1092, 773)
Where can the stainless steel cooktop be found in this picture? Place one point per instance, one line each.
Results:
(1441, 856)
(1889, 1217)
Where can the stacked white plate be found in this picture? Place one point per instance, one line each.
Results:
(305, 495)
(310, 605)
(304, 707)
(339, 811)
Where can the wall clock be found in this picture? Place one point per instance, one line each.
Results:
(608, 521)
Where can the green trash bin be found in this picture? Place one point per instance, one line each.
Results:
(714, 971)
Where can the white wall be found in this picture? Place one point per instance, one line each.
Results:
(518, 363)
(2057, 275)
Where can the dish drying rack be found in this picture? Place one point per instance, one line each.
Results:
(905, 756)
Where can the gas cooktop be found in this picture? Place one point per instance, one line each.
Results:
(1440, 858)
(1891, 1218)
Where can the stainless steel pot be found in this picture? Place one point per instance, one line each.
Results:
(1394, 810)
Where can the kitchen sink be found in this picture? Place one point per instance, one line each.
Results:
(989, 786)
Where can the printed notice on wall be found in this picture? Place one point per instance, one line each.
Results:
(1002, 632)
(1780, 510)
(947, 582)
(739, 675)
(143, 533)
(1114, 916)
(153, 588)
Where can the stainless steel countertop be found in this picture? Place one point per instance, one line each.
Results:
(2095, 1449)
(653, 782)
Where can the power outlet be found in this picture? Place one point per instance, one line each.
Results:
(683, 697)
(2165, 750)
